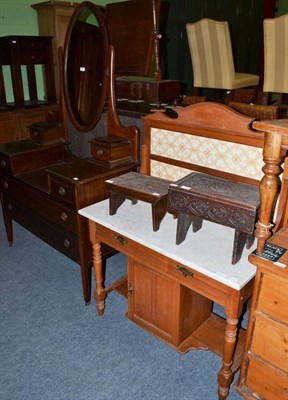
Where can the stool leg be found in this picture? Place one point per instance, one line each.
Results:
(183, 224)
(115, 202)
(196, 223)
(250, 240)
(238, 246)
(158, 212)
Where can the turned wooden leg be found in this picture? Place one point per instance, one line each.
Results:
(225, 375)
(99, 293)
(268, 186)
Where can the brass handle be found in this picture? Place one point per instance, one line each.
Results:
(3, 163)
(64, 216)
(130, 289)
(66, 243)
(120, 239)
(5, 184)
(184, 271)
(62, 191)
(99, 152)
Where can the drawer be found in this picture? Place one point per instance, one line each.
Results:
(270, 342)
(273, 297)
(58, 238)
(104, 153)
(32, 44)
(266, 381)
(62, 190)
(40, 203)
(184, 275)
(110, 148)
(33, 57)
(27, 155)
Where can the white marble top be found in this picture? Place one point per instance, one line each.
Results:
(208, 251)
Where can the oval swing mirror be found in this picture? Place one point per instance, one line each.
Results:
(85, 66)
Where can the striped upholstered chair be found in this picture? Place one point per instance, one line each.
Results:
(275, 56)
(212, 58)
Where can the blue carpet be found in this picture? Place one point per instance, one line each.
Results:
(53, 347)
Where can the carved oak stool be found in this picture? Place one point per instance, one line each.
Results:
(135, 186)
(223, 201)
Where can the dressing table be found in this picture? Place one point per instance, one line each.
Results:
(42, 185)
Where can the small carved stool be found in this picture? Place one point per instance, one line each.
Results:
(135, 186)
(223, 201)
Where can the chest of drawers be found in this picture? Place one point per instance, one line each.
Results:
(42, 189)
(264, 369)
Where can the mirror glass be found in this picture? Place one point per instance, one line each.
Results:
(85, 66)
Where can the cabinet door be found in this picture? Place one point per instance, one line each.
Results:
(164, 306)
(152, 299)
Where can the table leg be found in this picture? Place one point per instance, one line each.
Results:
(6, 208)
(99, 293)
(225, 375)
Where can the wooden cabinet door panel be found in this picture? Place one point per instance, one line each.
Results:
(152, 300)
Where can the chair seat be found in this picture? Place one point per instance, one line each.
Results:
(244, 80)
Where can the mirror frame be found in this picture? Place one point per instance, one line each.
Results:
(98, 12)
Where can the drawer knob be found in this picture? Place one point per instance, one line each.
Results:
(66, 243)
(3, 163)
(64, 216)
(184, 271)
(120, 239)
(62, 191)
(9, 206)
(99, 152)
(5, 185)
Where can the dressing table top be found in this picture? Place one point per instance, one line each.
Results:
(208, 251)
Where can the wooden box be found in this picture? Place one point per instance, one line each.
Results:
(46, 131)
(111, 150)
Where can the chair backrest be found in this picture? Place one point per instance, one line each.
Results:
(211, 53)
(276, 54)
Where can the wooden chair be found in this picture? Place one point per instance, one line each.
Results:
(275, 57)
(212, 58)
